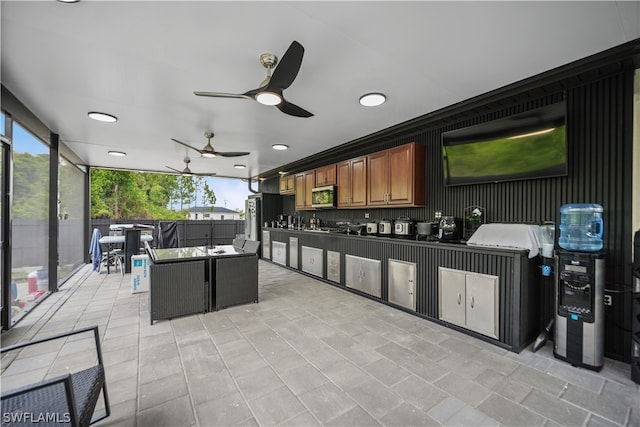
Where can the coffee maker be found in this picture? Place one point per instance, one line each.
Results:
(449, 229)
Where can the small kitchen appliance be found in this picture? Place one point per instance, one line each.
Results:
(449, 229)
(403, 228)
(385, 227)
(427, 231)
(324, 197)
(579, 309)
(372, 228)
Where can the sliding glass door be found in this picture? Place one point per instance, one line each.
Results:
(29, 221)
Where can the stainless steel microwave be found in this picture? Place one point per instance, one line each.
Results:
(324, 197)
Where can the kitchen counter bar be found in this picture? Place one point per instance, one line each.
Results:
(518, 276)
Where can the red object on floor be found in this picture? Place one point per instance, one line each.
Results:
(32, 282)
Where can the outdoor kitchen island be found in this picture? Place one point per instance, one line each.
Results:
(198, 279)
(489, 293)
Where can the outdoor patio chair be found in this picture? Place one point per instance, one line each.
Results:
(67, 399)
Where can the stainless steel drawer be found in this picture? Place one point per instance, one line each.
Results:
(333, 266)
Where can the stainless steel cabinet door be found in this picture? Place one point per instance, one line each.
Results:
(312, 261)
(333, 266)
(279, 252)
(482, 304)
(293, 252)
(402, 283)
(363, 274)
(452, 298)
(266, 244)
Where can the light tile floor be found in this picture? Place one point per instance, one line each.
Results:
(308, 354)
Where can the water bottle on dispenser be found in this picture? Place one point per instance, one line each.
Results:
(581, 227)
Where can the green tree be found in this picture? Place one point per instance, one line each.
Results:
(184, 190)
(209, 196)
(30, 186)
(133, 195)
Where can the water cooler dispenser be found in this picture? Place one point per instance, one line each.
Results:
(579, 320)
(579, 287)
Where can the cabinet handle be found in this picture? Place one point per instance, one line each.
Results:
(472, 302)
(459, 298)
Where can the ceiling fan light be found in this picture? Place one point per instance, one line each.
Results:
(372, 99)
(208, 151)
(268, 98)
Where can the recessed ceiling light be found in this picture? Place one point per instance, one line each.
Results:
(117, 153)
(239, 166)
(68, 1)
(279, 146)
(102, 117)
(372, 99)
(268, 98)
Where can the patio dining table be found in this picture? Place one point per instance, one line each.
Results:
(109, 241)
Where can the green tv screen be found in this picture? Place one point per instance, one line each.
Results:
(528, 146)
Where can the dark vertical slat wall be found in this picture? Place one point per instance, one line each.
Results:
(599, 149)
(599, 141)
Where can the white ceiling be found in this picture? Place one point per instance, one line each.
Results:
(141, 61)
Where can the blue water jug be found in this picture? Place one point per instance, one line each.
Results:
(581, 227)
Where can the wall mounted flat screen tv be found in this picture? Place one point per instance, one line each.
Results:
(524, 146)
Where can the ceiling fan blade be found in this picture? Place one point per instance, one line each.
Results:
(287, 70)
(232, 153)
(186, 145)
(175, 170)
(292, 109)
(224, 95)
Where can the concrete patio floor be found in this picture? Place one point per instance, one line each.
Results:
(307, 354)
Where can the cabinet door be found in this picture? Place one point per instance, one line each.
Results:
(326, 175)
(452, 296)
(377, 178)
(305, 182)
(363, 274)
(401, 177)
(293, 252)
(279, 252)
(312, 261)
(287, 184)
(309, 183)
(344, 184)
(333, 266)
(482, 304)
(402, 283)
(300, 191)
(266, 244)
(359, 181)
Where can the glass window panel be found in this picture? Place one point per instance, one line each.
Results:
(30, 220)
(71, 217)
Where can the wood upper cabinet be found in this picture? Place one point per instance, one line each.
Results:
(352, 183)
(304, 183)
(396, 176)
(287, 184)
(326, 175)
